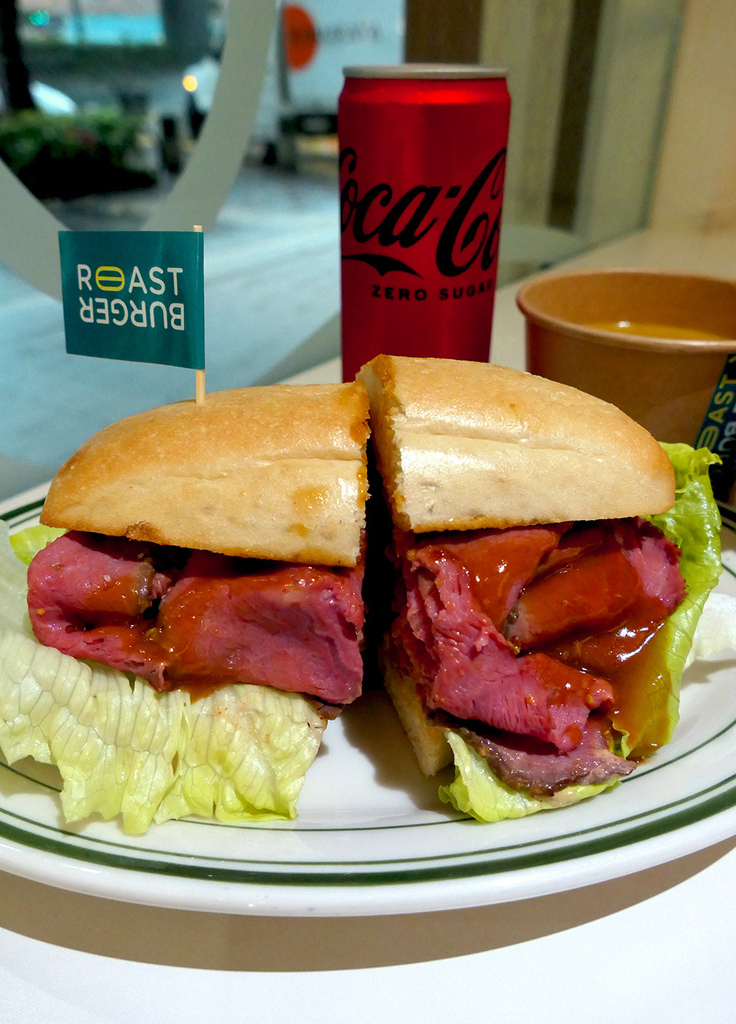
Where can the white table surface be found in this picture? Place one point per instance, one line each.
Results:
(657, 945)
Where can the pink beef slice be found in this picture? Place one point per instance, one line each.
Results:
(592, 593)
(500, 563)
(656, 560)
(575, 543)
(220, 620)
(86, 594)
(633, 571)
(293, 627)
(523, 762)
(476, 674)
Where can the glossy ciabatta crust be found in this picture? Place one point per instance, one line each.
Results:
(273, 472)
(464, 445)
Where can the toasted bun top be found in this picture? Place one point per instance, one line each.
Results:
(464, 445)
(269, 472)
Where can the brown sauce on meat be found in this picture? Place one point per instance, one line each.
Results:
(631, 658)
(599, 588)
(199, 689)
(622, 641)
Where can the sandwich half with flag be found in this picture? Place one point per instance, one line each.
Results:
(189, 617)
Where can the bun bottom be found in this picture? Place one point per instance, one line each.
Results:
(428, 741)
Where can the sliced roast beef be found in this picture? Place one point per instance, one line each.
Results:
(540, 770)
(91, 575)
(476, 674)
(207, 619)
(584, 607)
(500, 562)
(292, 627)
(631, 575)
(655, 559)
(576, 542)
(593, 592)
(87, 595)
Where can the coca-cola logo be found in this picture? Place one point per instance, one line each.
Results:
(466, 229)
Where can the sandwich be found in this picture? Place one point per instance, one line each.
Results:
(549, 562)
(192, 615)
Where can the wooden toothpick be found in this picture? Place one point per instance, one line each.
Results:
(199, 374)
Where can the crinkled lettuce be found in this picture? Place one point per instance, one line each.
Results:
(246, 750)
(239, 754)
(13, 588)
(694, 524)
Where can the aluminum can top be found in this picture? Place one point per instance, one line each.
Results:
(423, 71)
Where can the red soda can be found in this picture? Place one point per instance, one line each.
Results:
(422, 160)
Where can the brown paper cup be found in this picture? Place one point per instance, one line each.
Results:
(665, 384)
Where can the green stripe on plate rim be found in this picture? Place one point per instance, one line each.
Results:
(708, 807)
(658, 821)
(18, 516)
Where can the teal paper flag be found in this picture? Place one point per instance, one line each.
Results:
(136, 295)
(718, 431)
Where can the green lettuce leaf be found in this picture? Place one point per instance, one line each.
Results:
(244, 758)
(13, 588)
(123, 749)
(115, 743)
(29, 542)
(694, 524)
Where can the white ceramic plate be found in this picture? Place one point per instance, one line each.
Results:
(372, 838)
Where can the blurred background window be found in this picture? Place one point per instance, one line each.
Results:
(589, 81)
(622, 116)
